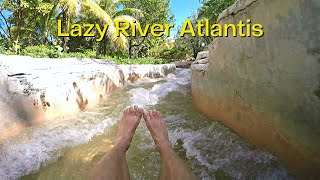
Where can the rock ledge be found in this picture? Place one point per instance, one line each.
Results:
(33, 88)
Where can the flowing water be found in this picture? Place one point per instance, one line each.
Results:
(68, 148)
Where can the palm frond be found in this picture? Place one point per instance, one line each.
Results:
(116, 3)
(70, 6)
(131, 11)
(95, 10)
(129, 19)
(121, 42)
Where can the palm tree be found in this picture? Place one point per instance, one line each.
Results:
(107, 15)
(27, 17)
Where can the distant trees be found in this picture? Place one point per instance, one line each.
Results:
(34, 22)
(26, 23)
(192, 44)
(155, 12)
(106, 11)
(24, 17)
(212, 8)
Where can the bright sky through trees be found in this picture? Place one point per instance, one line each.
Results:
(182, 9)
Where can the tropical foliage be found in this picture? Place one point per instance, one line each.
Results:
(29, 27)
(212, 8)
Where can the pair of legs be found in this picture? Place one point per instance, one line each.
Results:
(114, 164)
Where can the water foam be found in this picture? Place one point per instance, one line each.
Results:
(226, 153)
(18, 159)
(144, 97)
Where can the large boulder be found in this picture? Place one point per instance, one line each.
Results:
(268, 89)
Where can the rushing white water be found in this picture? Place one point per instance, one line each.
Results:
(208, 147)
(25, 155)
(143, 97)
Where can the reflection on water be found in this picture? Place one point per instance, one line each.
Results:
(68, 148)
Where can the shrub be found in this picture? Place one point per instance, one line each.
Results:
(90, 53)
(174, 53)
(83, 54)
(4, 50)
(138, 60)
(54, 52)
(8, 52)
(118, 54)
(41, 52)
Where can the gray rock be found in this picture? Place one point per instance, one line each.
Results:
(235, 8)
(202, 61)
(202, 55)
(199, 67)
(183, 63)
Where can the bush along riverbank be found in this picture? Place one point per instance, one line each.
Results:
(55, 52)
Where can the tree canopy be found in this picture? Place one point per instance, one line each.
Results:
(212, 8)
(29, 23)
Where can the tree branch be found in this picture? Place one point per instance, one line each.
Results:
(137, 45)
(4, 32)
(7, 24)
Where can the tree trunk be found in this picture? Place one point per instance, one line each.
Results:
(64, 30)
(130, 48)
(46, 39)
(105, 48)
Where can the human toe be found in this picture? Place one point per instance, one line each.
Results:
(159, 115)
(131, 110)
(151, 114)
(126, 111)
(146, 115)
(155, 113)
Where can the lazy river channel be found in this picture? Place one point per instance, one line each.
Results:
(68, 148)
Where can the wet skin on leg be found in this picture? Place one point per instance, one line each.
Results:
(114, 165)
(172, 166)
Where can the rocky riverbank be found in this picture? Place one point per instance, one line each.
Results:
(266, 89)
(35, 90)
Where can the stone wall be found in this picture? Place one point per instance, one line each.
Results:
(268, 89)
(33, 91)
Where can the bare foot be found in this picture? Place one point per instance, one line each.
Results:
(158, 128)
(129, 122)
